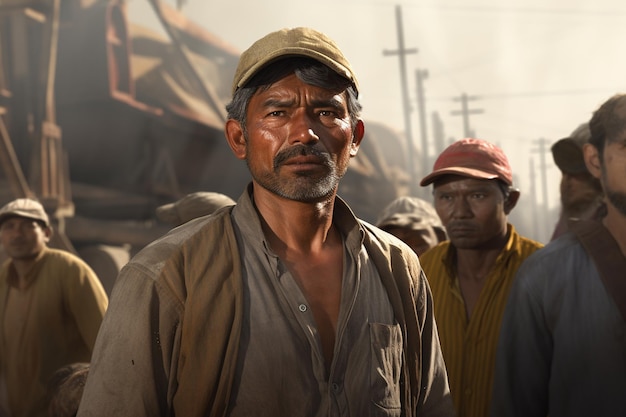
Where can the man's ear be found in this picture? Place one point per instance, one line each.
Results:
(236, 139)
(357, 137)
(592, 160)
(511, 201)
(47, 232)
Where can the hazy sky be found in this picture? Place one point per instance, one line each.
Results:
(538, 67)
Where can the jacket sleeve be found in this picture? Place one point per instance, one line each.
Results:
(435, 399)
(524, 350)
(87, 300)
(132, 359)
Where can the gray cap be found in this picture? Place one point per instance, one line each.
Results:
(568, 152)
(192, 205)
(24, 207)
(410, 212)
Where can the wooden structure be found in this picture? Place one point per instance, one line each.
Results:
(103, 120)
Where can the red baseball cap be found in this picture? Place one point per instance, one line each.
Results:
(474, 158)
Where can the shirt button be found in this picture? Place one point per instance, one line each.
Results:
(302, 307)
(335, 387)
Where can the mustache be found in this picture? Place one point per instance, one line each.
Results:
(301, 150)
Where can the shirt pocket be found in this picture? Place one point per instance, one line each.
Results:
(386, 362)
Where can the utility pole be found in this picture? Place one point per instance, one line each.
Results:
(439, 135)
(465, 112)
(401, 52)
(533, 201)
(420, 76)
(543, 172)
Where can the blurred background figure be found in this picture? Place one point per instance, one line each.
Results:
(413, 221)
(65, 389)
(192, 205)
(581, 193)
(51, 308)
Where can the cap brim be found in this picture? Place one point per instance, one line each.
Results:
(568, 156)
(24, 215)
(462, 171)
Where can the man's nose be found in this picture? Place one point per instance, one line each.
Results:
(302, 129)
(461, 208)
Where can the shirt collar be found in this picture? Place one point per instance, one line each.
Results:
(511, 248)
(247, 218)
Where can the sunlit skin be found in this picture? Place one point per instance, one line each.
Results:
(23, 239)
(298, 146)
(419, 240)
(300, 140)
(612, 174)
(474, 213)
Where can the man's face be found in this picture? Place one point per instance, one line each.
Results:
(299, 139)
(23, 239)
(577, 191)
(472, 210)
(420, 240)
(614, 174)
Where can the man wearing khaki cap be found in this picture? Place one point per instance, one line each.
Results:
(191, 206)
(51, 307)
(581, 193)
(284, 304)
(414, 221)
(471, 273)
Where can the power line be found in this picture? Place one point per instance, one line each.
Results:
(532, 94)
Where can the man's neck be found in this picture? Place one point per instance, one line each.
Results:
(476, 264)
(303, 227)
(22, 267)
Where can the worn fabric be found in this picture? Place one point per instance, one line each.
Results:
(186, 294)
(51, 323)
(278, 310)
(469, 346)
(562, 349)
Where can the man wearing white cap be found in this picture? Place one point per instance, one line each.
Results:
(285, 304)
(51, 307)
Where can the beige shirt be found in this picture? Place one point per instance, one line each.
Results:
(281, 368)
(51, 323)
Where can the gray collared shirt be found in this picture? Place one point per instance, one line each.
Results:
(281, 369)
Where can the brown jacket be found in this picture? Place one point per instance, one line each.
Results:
(169, 343)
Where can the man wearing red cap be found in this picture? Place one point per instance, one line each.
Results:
(284, 304)
(470, 275)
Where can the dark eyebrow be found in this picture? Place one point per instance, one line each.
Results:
(274, 102)
(331, 102)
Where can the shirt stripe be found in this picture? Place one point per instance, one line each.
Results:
(469, 346)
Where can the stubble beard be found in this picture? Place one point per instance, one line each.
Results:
(306, 187)
(616, 198)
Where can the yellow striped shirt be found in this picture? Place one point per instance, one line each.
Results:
(469, 347)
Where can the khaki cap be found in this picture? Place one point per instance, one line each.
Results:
(409, 212)
(24, 207)
(299, 41)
